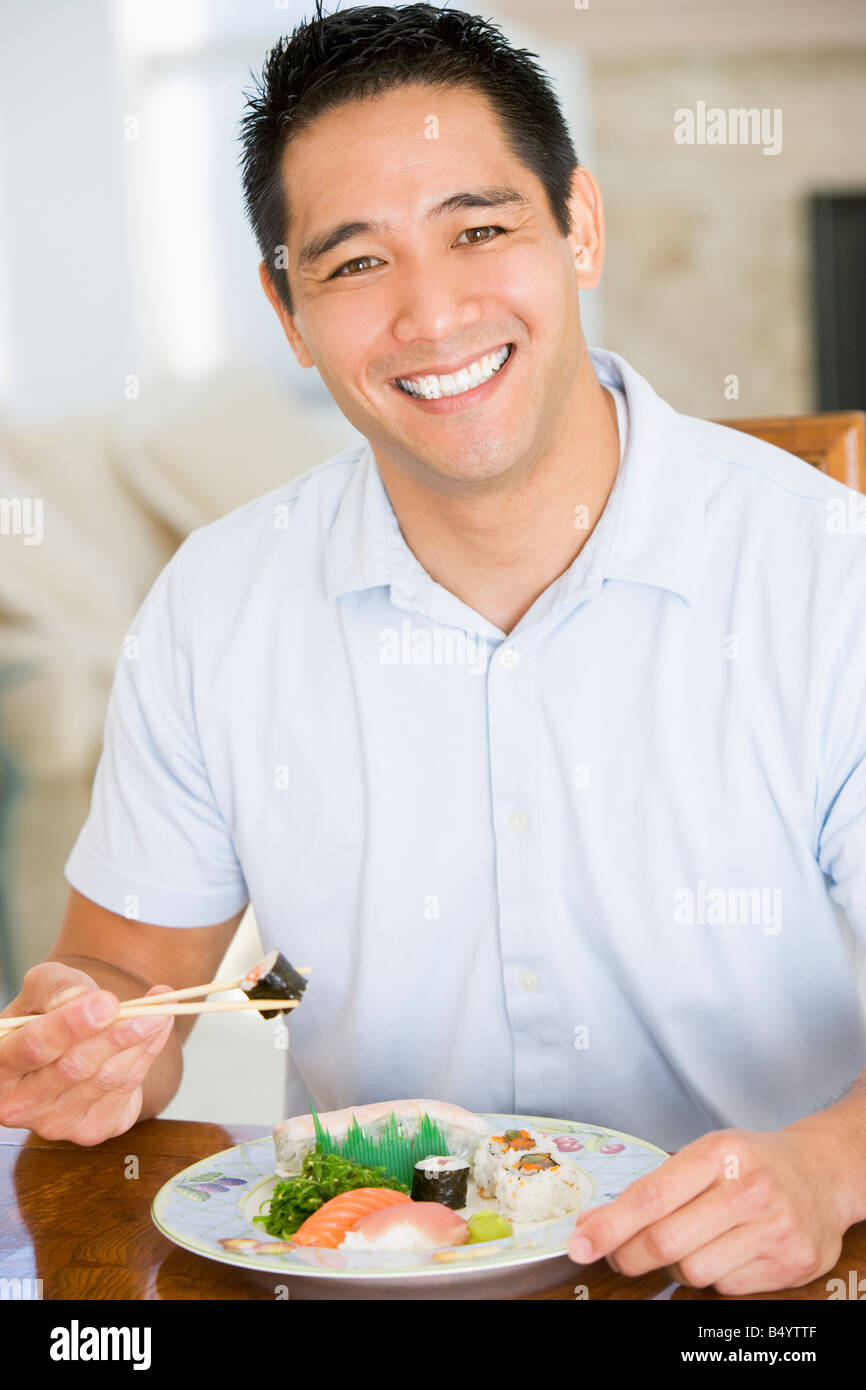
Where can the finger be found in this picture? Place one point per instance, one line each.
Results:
(133, 1078)
(644, 1202)
(44, 985)
(687, 1230)
(98, 1061)
(112, 1115)
(78, 1108)
(731, 1254)
(126, 1032)
(115, 1111)
(41, 1042)
(82, 1060)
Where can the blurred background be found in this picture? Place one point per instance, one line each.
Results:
(146, 386)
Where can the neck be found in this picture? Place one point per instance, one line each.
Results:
(498, 548)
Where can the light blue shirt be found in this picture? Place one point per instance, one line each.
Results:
(592, 869)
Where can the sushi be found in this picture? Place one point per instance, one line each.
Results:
(499, 1149)
(418, 1226)
(536, 1187)
(441, 1178)
(327, 1226)
(273, 978)
(296, 1137)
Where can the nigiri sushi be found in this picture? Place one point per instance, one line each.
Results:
(328, 1225)
(418, 1226)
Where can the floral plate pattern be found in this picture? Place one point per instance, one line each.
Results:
(208, 1208)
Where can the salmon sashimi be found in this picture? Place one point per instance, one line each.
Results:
(329, 1224)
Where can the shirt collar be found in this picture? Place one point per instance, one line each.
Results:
(657, 536)
(650, 532)
(358, 550)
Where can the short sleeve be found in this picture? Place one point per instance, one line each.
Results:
(155, 846)
(842, 769)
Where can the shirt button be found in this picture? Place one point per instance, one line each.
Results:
(509, 657)
(518, 821)
(528, 981)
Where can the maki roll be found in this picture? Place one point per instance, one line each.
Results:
(273, 978)
(499, 1150)
(443, 1179)
(536, 1187)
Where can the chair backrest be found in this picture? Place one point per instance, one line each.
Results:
(834, 441)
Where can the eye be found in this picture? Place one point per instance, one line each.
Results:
(355, 261)
(343, 272)
(470, 230)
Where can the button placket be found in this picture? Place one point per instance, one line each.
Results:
(509, 657)
(531, 1005)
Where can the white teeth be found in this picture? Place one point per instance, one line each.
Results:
(432, 388)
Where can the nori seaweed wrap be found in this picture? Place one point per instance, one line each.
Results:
(441, 1178)
(273, 978)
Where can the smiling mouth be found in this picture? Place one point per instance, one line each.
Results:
(433, 387)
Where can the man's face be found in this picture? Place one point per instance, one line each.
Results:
(432, 294)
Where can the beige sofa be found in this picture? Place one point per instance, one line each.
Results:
(119, 489)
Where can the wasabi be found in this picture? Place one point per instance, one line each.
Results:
(488, 1225)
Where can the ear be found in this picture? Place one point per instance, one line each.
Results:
(586, 239)
(288, 321)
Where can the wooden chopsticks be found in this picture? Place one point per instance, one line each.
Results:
(167, 1003)
(213, 988)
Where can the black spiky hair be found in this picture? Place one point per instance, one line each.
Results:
(369, 50)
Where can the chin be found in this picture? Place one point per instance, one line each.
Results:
(482, 466)
(486, 473)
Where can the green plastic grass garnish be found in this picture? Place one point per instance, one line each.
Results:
(322, 1176)
(393, 1149)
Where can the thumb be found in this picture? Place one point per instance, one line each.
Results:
(49, 984)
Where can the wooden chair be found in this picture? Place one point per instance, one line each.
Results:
(834, 441)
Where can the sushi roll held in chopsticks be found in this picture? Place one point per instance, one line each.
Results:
(273, 978)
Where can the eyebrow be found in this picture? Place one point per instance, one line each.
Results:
(319, 245)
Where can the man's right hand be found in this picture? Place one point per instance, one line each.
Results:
(76, 1073)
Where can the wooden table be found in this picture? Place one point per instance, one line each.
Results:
(72, 1218)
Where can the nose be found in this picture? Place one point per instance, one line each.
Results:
(432, 304)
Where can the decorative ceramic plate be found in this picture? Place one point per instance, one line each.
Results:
(208, 1208)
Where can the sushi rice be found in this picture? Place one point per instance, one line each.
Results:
(497, 1152)
(537, 1194)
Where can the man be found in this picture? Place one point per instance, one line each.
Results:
(535, 725)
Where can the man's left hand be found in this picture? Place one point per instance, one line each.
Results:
(741, 1210)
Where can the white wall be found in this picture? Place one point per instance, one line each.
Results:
(63, 261)
(124, 247)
